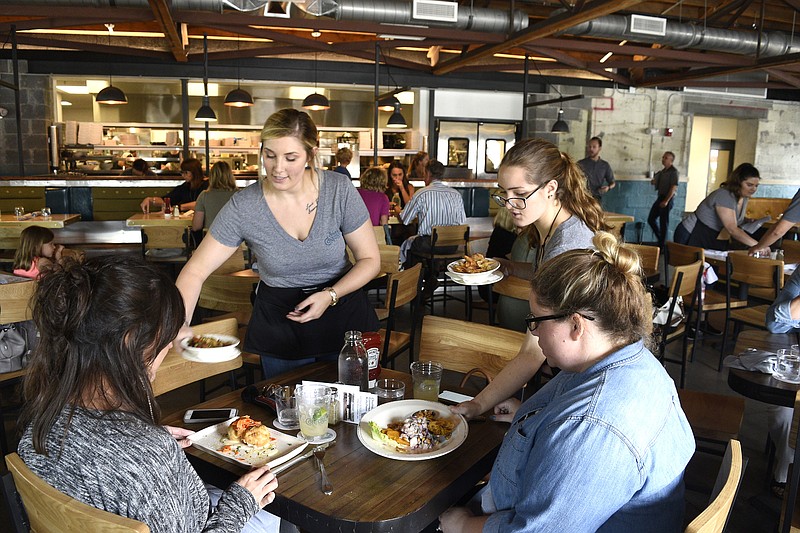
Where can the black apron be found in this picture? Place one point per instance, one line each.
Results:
(706, 237)
(271, 334)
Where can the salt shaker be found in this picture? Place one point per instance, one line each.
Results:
(176, 211)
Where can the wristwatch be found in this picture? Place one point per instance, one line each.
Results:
(334, 296)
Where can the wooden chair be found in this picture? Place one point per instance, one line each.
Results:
(512, 287)
(791, 251)
(9, 242)
(231, 294)
(714, 418)
(15, 306)
(235, 263)
(467, 347)
(436, 263)
(390, 258)
(166, 244)
(685, 284)
(648, 258)
(748, 272)
(380, 234)
(715, 517)
(50, 510)
(402, 288)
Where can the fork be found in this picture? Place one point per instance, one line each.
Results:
(319, 455)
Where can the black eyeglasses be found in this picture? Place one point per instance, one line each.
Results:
(532, 321)
(518, 202)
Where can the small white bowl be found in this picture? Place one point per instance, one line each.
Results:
(472, 279)
(212, 355)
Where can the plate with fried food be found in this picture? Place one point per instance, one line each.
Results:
(474, 269)
(247, 442)
(210, 348)
(412, 430)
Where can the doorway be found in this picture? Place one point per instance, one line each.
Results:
(720, 163)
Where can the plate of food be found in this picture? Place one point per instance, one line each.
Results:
(248, 442)
(473, 269)
(210, 348)
(412, 430)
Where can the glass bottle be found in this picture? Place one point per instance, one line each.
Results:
(353, 365)
(333, 412)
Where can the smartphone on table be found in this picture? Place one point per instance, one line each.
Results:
(199, 416)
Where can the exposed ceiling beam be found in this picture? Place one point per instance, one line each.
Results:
(164, 19)
(560, 22)
(574, 62)
(710, 72)
(794, 81)
(32, 40)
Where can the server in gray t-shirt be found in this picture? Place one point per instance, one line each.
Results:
(789, 218)
(299, 221)
(666, 184)
(599, 176)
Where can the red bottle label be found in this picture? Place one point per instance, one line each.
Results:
(372, 342)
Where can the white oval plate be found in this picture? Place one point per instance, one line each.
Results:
(477, 278)
(212, 438)
(494, 277)
(212, 355)
(399, 410)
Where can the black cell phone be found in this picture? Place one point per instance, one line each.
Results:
(198, 416)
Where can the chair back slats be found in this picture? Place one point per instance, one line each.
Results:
(755, 272)
(51, 510)
(223, 292)
(235, 263)
(15, 301)
(402, 286)
(682, 254)
(791, 251)
(685, 280)
(715, 517)
(164, 237)
(463, 346)
(380, 234)
(450, 235)
(648, 255)
(390, 258)
(513, 287)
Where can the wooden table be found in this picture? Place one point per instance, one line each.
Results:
(175, 371)
(756, 385)
(159, 219)
(371, 493)
(53, 221)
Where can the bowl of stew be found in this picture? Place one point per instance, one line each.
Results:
(210, 347)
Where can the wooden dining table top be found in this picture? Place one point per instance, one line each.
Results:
(159, 219)
(371, 492)
(53, 221)
(757, 385)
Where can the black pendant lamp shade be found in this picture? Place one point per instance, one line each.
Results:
(205, 113)
(397, 120)
(111, 96)
(316, 102)
(239, 98)
(560, 125)
(388, 103)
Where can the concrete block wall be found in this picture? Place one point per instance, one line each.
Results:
(35, 112)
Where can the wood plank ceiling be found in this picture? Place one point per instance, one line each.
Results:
(157, 29)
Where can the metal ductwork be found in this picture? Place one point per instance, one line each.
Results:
(399, 12)
(678, 35)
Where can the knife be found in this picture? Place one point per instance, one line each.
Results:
(290, 463)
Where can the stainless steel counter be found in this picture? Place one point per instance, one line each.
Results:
(98, 181)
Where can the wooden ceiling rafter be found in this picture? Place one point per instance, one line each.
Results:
(553, 25)
(710, 72)
(164, 18)
(45, 42)
(574, 62)
(787, 78)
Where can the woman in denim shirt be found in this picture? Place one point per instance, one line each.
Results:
(603, 445)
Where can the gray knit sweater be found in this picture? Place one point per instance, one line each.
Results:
(127, 467)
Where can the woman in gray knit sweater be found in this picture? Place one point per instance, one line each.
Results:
(90, 419)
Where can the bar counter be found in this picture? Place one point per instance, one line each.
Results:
(99, 180)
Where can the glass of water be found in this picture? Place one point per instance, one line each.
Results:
(46, 212)
(19, 212)
(787, 366)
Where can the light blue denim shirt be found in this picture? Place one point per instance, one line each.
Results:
(779, 317)
(600, 450)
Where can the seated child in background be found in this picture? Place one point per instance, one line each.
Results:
(38, 252)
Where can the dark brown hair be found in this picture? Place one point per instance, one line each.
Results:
(31, 240)
(102, 323)
(196, 168)
(740, 174)
(542, 161)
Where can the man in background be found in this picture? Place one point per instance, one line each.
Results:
(666, 183)
(599, 176)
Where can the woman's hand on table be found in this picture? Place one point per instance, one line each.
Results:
(505, 410)
(261, 483)
(181, 435)
(311, 308)
(469, 409)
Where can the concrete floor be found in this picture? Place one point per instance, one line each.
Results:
(756, 510)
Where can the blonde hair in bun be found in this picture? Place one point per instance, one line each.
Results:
(604, 283)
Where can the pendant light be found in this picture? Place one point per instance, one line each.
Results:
(316, 101)
(205, 113)
(111, 95)
(560, 125)
(238, 97)
(397, 120)
(388, 103)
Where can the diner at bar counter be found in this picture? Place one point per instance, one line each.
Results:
(604, 444)
(298, 220)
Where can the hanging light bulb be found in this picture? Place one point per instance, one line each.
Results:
(111, 95)
(316, 101)
(388, 103)
(238, 97)
(397, 120)
(205, 113)
(560, 125)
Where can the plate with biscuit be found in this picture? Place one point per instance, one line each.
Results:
(247, 442)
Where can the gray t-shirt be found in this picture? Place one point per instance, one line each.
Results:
(210, 202)
(598, 174)
(792, 213)
(122, 465)
(665, 179)
(707, 210)
(284, 261)
(572, 234)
